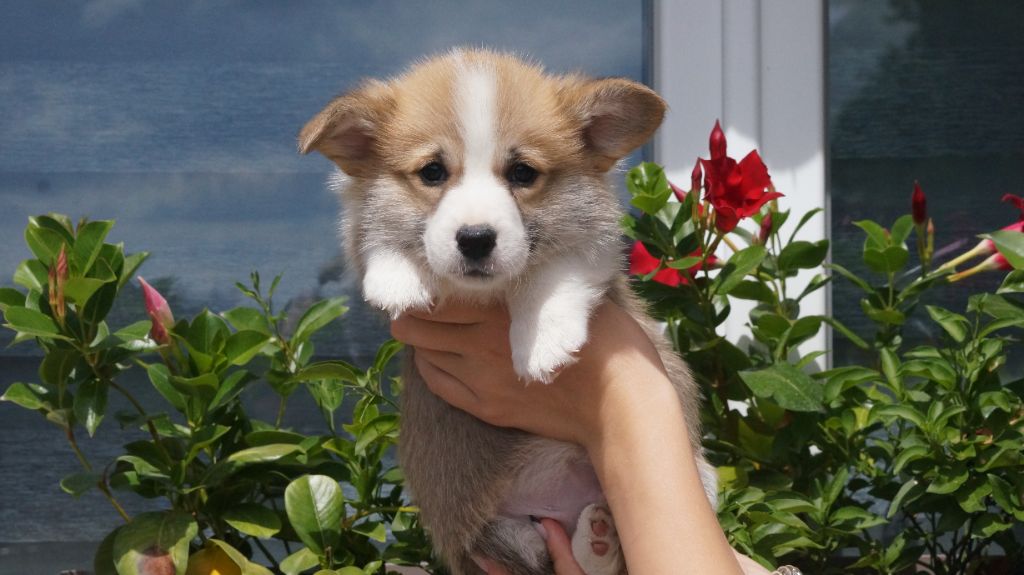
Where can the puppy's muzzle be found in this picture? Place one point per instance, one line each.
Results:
(476, 242)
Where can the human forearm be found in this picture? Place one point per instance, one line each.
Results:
(646, 466)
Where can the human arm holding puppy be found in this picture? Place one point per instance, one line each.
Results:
(616, 401)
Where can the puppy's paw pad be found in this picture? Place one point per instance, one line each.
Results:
(596, 542)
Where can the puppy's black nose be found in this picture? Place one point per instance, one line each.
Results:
(476, 242)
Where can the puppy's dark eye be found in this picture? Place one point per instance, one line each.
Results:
(433, 174)
(522, 175)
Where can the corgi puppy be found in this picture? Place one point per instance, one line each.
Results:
(478, 176)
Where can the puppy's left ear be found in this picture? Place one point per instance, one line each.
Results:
(618, 115)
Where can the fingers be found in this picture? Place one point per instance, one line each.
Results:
(428, 334)
(560, 549)
(459, 313)
(444, 385)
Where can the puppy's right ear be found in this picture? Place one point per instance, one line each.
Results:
(347, 130)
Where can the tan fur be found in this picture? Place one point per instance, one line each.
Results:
(572, 129)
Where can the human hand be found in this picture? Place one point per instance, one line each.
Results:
(559, 547)
(464, 356)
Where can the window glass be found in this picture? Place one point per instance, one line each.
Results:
(927, 91)
(178, 120)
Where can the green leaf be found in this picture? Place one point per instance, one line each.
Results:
(160, 377)
(315, 507)
(901, 229)
(248, 318)
(299, 561)
(78, 483)
(891, 368)
(244, 345)
(847, 332)
(373, 529)
(203, 386)
(207, 332)
(247, 567)
(375, 429)
(11, 297)
(32, 274)
(263, 453)
(130, 266)
(907, 455)
(29, 396)
(103, 561)
(988, 525)
(32, 322)
(80, 289)
(753, 290)
(803, 221)
(971, 497)
(1010, 244)
(877, 238)
(317, 316)
(339, 370)
(949, 479)
(684, 263)
(861, 518)
(1012, 283)
(908, 492)
(648, 186)
(91, 404)
(45, 242)
(739, 265)
(803, 255)
(788, 386)
(904, 412)
(154, 543)
(955, 325)
(863, 285)
(888, 261)
(385, 352)
(89, 242)
(253, 519)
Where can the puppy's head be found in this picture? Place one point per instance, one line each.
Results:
(477, 163)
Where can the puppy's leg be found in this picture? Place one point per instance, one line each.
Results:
(515, 545)
(394, 283)
(550, 316)
(595, 545)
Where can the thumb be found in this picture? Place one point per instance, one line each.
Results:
(560, 548)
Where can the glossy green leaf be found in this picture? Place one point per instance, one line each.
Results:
(373, 529)
(154, 542)
(248, 318)
(877, 236)
(955, 325)
(907, 493)
(904, 412)
(803, 255)
(1012, 283)
(300, 561)
(949, 479)
(648, 187)
(263, 453)
(315, 507)
(103, 560)
(244, 345)
(207, 332)
(132, 262)
(247, 567)
(32, 274)
(380, 426)
(253, 519)
(91, 404)
(29, 396)
(89, 242)
(78, 483)
(739, 265)
(160, 377)
(11, 297)
(317, 316)
(908, 455)
(44, 242)
(788, 386)
(972, 496)
(32, 322)
(203, 386)
(888, 261)
(752, 290)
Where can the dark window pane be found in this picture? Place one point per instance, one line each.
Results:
(930, 91)
(178, 119)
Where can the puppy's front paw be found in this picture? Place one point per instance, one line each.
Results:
(595, 545)
(395, 285)
(544, 343)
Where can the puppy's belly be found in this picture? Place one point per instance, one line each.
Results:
(557, 482)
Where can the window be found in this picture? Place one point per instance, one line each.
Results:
(178, 120)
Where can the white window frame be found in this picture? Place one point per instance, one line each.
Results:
(759, 67)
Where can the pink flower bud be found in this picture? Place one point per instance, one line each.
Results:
(717, 142)
(766, 228)
(679, 194)
(159, 312)
(996, 261)
(60, 274)
(695, 176)
(919, 206)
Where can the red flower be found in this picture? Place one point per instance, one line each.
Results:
(736, 190)
(159, 312)
(641, 263)
(695, 176)
(1016, 201)
(919, 205)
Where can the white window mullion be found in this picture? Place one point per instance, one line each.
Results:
(759, 67)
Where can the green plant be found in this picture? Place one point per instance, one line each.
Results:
(230, 481)
(812, 465)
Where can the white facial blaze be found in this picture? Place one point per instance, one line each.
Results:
(481, 197)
